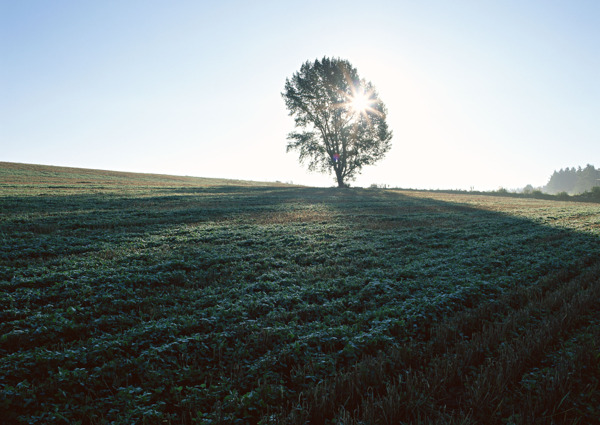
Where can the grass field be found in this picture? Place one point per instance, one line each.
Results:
(129, 298)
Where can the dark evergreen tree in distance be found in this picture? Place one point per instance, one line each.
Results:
(340, 120)
(573, 181)
(587, 179)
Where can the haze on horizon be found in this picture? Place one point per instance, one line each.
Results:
(480, 94)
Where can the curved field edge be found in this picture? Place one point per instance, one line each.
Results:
(33, 179)
(282, 305)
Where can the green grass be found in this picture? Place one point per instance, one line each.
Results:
(128, 298)
(33, 179)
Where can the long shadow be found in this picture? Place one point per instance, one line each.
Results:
(403, 222)
(258, 283)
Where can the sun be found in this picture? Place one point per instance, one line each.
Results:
(360, 102)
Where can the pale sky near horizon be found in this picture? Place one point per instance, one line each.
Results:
(481, 94)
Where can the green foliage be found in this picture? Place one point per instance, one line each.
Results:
(209, 305)
(333, 135)
(574, 181)
(590, 196)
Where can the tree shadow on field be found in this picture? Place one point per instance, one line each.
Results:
(426, 231)
(400, 305)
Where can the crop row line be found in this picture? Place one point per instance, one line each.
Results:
(469, 365)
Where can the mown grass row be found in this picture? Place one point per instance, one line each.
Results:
(531, 356)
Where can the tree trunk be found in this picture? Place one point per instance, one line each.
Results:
(340, 179)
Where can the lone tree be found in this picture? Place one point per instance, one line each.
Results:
(339, 119)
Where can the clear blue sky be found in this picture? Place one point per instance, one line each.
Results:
(480, 93)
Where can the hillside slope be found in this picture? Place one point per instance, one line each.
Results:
(14, 175)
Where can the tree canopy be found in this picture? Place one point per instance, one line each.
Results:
(340, 120)
(573, 180)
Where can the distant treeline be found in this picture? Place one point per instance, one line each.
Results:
(573, 180)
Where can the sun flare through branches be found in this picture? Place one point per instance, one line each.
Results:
(360, 102)
(339, 118)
